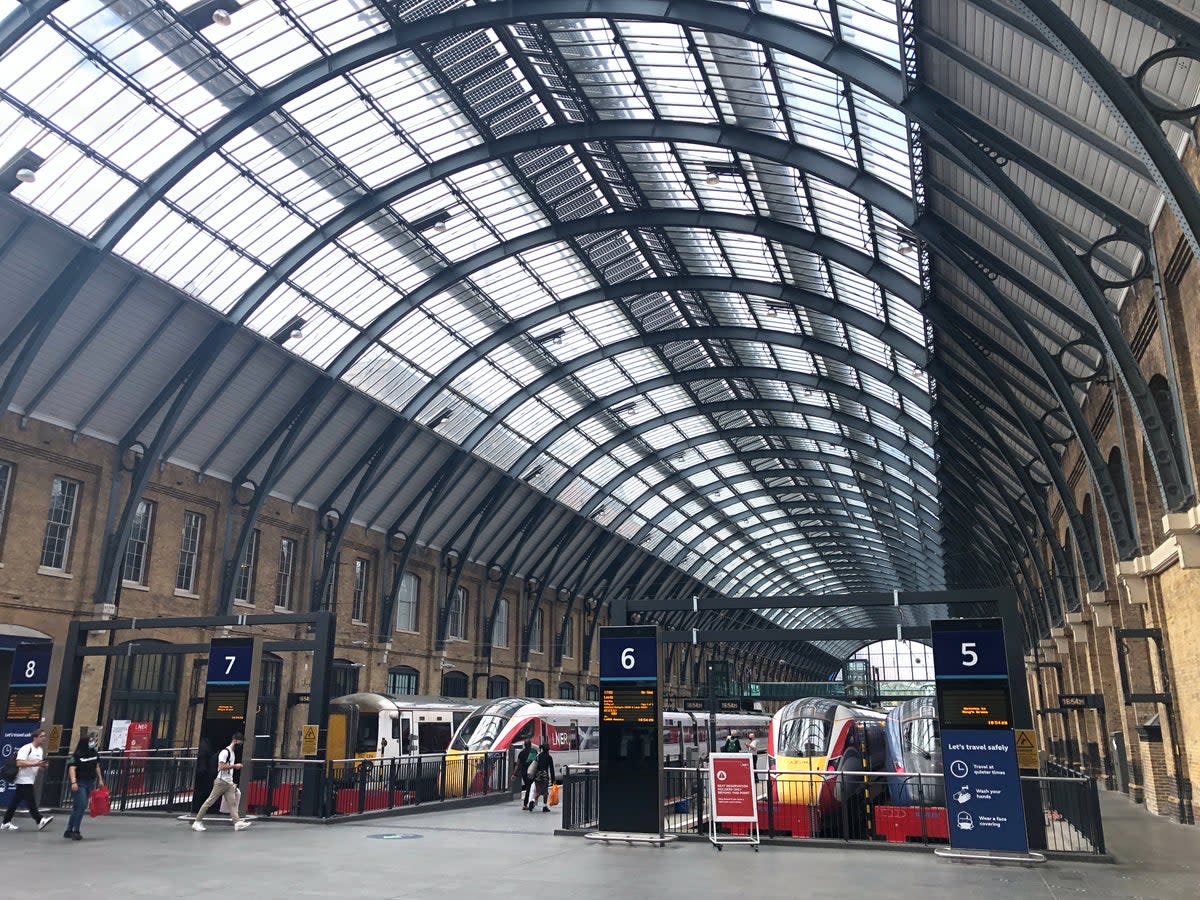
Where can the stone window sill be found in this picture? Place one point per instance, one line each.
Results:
(54, 573)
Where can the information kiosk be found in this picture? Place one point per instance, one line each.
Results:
(631, 763)
(984, 807)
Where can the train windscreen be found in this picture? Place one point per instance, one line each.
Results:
(480, 730)
(805, 736)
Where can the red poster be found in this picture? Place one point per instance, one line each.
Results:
(733, 797)
(137, 743)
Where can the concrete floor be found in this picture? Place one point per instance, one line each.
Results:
(500, 851)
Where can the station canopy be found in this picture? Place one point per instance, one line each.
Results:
(746, 299)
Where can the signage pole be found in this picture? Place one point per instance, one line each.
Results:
(985, 804)
(632, 780)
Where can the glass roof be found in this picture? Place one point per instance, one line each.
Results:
(546, 308)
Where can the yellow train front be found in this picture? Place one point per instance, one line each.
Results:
(816, 745)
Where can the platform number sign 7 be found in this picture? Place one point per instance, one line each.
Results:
(229, 663)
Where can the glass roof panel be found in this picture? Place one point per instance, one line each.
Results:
(245, 204)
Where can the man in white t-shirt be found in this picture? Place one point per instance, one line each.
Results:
(223, 786)
(29, 762)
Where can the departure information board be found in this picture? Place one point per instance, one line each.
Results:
(629, 705)
(631, 764)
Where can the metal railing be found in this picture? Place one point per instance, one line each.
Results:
(867, 807)
(167, 783)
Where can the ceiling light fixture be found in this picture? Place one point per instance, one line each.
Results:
(21, 169)
(293, 330)
(717, 171)
(550, 337)
(441, 417)
(221, 17)
(435, 221)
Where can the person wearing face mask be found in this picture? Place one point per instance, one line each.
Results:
(223, 786)
(83, 770)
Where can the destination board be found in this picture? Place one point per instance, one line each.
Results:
(225, 705)
(630, 705)
(25, 705)
(969, 705)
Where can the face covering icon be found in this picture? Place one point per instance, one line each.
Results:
(965, 822)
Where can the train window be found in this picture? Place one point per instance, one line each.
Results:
(368, 733)
(526, 733)
(478, 733)
(804, 737)
(921, 736)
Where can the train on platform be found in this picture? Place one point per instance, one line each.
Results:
(571, 728)
(914, 749)
(815, 741)
(839, 769)
(386, 726)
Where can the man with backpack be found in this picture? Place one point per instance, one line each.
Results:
(527, 767)
(24, 768)
(223, 786)
(732, 744)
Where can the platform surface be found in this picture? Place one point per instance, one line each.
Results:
(502, 851)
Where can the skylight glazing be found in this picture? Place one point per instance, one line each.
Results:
(222, 228)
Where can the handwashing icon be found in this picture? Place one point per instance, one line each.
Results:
(963, 795)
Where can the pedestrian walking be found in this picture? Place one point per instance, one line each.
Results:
(527, 767)
(30, 761)
(543, 778)
(223, 786)
(83, 770)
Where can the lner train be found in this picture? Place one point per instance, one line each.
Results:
(571, 728)
(817, 743)
(915, 752)
(386, 726)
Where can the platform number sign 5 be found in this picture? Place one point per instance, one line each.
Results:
(969, 652)
(969, 657)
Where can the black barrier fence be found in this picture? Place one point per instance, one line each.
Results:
(166, 783)
(866, 807)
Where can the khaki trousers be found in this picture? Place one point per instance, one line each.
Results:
(221, 789)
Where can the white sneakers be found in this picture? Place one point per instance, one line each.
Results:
(42, 823)
(240, 825)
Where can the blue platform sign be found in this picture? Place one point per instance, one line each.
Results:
(983, 790)
(984, 806)
(628, 659)
(229, 661)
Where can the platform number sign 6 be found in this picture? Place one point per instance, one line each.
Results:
(969, 656)
(627, 659)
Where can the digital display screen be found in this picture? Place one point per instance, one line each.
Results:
(25, 705)
(970, 706)
(225, 705)
(629, 705)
